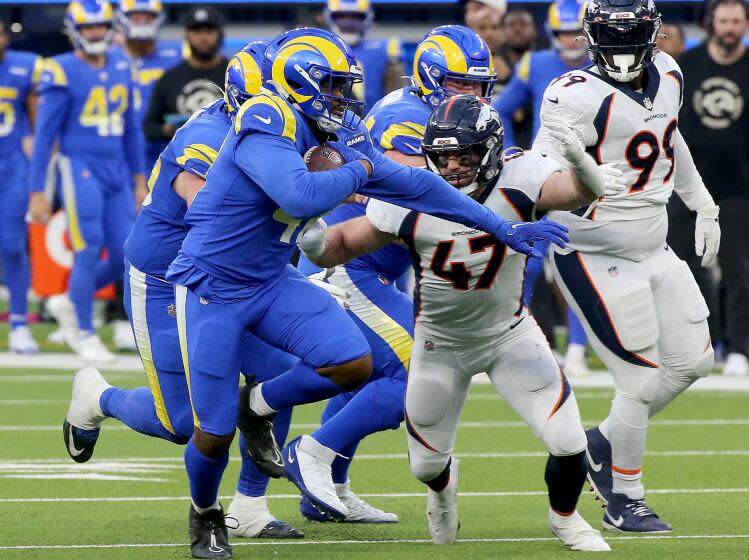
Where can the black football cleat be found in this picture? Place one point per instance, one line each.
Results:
(258, 434)
(208, 535)
(278, 529)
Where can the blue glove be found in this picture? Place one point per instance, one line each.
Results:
(520, 236)
(349, 154)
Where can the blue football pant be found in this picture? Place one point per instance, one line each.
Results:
(100, 213)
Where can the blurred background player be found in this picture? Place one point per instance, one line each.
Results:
(486, 20)
(163, 408)
(715, 124)
(193, 83)
(533, 74)
(19, 76)
(139, 22)
(86, 103)
(381, 60)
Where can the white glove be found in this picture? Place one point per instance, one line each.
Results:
(613, 179)
(707, 233)
(565, 139)
(320, 279)
(312, 241)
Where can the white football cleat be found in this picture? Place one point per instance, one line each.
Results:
(62, 311)
(736, 364)
(92, 350)
(575, 362)
(360, 511)
(20, 341)
(253, 520)
(122, 336)
(576, 533)
(442, 509)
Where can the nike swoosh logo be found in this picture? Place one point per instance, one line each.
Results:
(71, 446)
(555, 100)
(265, 120)
(291, 459)
(516, 323)
(596, 467)
(416, 149)
(617, 522)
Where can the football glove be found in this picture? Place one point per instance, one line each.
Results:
(319, 279)
(312, 241)
(707, 233)
(519, 236)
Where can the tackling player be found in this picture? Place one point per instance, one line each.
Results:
(86, 102)
(642, 309)
(469, 311)
(232, 272)
(449, 58)
(19, 76)
(163, 408)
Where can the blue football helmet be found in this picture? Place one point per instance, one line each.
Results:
(451, 51)
(349, 19)
(82, 13)
(244, 75)
(566, 16)
(316, 71)
(140, 31)
(621, 36)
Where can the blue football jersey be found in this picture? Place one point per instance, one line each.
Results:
(533, 73)
(397, 122)
(91, 112)
(159, 228)
(19, 74)
(373, 56)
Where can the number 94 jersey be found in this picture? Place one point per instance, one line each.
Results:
(635, 130)
(468, 284)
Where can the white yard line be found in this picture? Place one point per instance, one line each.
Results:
(362, 542)
(525, 493)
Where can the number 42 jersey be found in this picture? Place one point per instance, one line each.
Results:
(636, 130)
(468, 284)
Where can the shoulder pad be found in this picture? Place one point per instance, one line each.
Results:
(398, 127)
(198, 142)
(267, 113)
(568, 89)
(53, 73)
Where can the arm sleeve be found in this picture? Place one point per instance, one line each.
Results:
(513, 98)
(155, 115)
(687, 181)
(133, 139)
(275, 165)
(51, 112)
(423, 191)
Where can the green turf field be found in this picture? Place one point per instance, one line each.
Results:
(129, 501)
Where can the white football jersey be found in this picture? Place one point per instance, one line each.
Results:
(634, 130)
(468, 284)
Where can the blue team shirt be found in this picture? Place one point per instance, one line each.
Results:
(91, 111)
(19, 74)
(532, 75)
(146, 72)
(259, 197)
(159, 228)
(373, 56)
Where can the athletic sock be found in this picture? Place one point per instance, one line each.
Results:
(204, 474)
(565, 477)
(440, 482)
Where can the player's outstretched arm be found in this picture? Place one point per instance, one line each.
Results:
(423, 191)
(274, 163)
(328, 247)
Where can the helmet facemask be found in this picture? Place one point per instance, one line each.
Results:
(91, 48)
(478, 163)
(334, 106)
(622, 46)
(140, 31)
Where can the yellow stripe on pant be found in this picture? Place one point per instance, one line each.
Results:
(138, 295)
(180, 293)
(68, 189)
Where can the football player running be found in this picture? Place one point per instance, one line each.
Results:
(469, 312)
(232, 271)
(163, 408)
(383, 312)
(642, 309)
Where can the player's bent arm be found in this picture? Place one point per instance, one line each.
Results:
(404, 159)
(274, 163)
(563, 191)
(350, 239)
(187, 185)
(688, 183)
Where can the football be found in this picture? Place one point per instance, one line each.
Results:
(323, 158)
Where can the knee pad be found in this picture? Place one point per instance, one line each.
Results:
(704, 363)
(563, 433)
(638, 383)
(427, 400)
(427, 467)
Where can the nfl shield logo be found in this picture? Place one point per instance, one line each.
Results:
(648, 103)
(613, 271)
(171, 310)
(428, 345)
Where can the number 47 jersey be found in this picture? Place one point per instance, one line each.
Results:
(468, 284)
